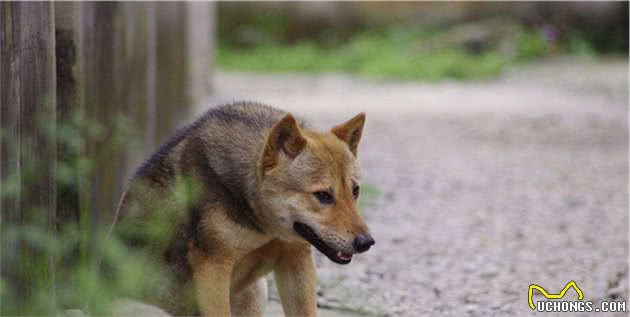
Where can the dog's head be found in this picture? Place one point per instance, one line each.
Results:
(310, 182)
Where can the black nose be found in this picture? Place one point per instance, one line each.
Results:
(363, 243)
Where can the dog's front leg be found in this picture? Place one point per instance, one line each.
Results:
(212, 285)
(297, 281)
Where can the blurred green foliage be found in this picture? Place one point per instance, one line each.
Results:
(51, 267)
(580, 45)
(363, 56)
(392, 52)
(531, 45)
(377, 55)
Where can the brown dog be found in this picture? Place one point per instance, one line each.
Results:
(237, 194)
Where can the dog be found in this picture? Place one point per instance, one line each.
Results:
(243, 191)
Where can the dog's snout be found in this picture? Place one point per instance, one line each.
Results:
(363, 243)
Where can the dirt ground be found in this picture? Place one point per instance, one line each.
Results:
(483, 187)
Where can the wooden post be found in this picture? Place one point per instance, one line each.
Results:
(170, 72)
(27, 163)
(199, 18)
(184, 51)
(99, 65)
(69, 101)
(140, 60)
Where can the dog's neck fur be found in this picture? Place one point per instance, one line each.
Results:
(233, 152)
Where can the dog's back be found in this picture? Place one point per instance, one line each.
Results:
(228, 135)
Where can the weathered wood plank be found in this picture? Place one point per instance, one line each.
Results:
(27, 163)
(200, 28)
(170, 72)
(140, 91)
(101, 73)
(67, 50)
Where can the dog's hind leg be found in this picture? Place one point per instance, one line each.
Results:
(251, 301)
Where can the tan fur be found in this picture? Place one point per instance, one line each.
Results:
(250, 173)
(251, 301)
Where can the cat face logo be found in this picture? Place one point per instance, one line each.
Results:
(552, 296)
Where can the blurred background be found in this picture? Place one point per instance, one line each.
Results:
(495, 154)
(413, 40)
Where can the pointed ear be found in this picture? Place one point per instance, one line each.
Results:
(284, 137)
(350, 131)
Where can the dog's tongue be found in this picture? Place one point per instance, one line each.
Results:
(344, 256)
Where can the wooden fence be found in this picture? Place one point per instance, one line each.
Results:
(99, 61)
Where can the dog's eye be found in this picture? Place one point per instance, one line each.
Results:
(324, 197)
(356, 190)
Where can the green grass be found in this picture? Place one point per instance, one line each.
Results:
(396, 54)
(367, 58)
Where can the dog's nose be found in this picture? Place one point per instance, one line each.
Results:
(363, 243)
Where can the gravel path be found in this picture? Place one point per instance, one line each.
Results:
(485, 187)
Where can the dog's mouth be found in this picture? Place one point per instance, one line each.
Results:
(309, 234)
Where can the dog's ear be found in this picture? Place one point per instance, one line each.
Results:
(350, 131)
(284, 137)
